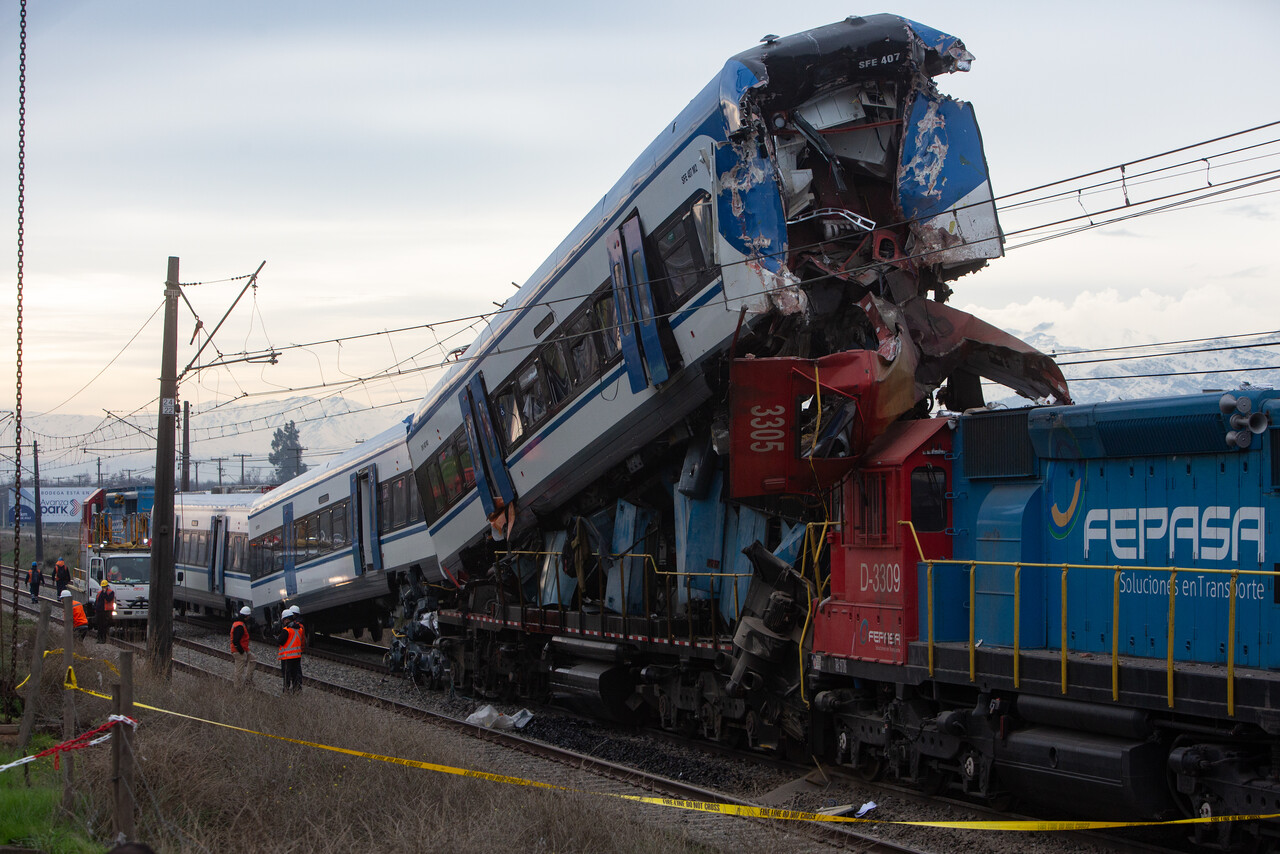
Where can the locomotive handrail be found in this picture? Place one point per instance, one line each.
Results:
(1064, 648)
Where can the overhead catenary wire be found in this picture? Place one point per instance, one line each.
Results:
(397, 370)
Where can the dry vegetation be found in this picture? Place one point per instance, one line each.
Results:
(208, 788)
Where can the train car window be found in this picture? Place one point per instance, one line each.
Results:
(399, 503)
(414, 510)
(556, 369)
(871, 508)
(384, 507)
(427, 488)
(584, 348)
(451, 474)
(533, 394)
(340, 538)
(682, 244)
(301, 538)
(179, 548)
(928, 499)
(464, 460)
(606, 319)
(236, 558)
(201, 556)
(324, 529)
(509, 426)
(275, 549)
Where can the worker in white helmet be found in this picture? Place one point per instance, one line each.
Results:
(291, 639)
(240, 649)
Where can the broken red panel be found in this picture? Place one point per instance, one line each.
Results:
(797, 425)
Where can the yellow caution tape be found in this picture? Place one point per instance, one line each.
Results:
(698, 806)
(49, 652)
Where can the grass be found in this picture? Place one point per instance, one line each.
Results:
(31, 807)
(57, 543)
(206, 788)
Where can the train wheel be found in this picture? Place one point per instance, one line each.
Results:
(357, 632)
(868, 766)
(375, 633)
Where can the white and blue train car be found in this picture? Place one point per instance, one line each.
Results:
(211, 534)
(773, 203)
(338, 540)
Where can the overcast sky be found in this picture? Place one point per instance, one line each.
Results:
(396, 163)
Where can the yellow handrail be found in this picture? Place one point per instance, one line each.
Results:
(1117, 570)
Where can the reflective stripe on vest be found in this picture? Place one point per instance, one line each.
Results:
(241, 624)
(293, 646)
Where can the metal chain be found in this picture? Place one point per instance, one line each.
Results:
(10, 693)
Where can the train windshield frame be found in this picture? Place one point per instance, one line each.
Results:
(129, 569)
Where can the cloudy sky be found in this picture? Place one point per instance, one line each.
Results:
(401, 163)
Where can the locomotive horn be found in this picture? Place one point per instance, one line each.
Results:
(1239, 439)
(1254, 422)
(1227, 404)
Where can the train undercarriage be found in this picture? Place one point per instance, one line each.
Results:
(983, 740)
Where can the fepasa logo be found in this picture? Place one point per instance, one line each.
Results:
(1205, 534)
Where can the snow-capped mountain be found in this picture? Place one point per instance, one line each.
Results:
(1139, 372)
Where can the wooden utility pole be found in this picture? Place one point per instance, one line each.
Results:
(31, 703)
(186, 445)
(122, 751)
(160, 608)
(68, 702)
(36, 505)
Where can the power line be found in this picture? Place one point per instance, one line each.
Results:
(391, 373)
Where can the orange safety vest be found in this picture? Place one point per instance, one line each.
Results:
(241, 624)
(77, 615)
(32, 574)
(292, 648)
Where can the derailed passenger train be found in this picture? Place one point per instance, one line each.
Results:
(339, 540)
(689, 474)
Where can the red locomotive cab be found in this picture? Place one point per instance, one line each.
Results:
(871, 612)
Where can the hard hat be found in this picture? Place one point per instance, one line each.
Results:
(246, 611)
(59, 560)
(33, 563)
(104, 582)
(287, 612)
(297, 612)
(65, 594)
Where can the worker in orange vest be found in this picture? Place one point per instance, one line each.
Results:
(79, 622)
(34, 579)
(240, 650)
(104, 610)
(291, 638)
(61, 576)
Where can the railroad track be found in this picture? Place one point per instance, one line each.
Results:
(627, 775)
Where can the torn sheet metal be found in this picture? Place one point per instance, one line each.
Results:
(944, 189)
(952, 340)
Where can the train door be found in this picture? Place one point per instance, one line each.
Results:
(493, 480)
(366, 540)
(289, 551)
(217, 551)
(637, 314)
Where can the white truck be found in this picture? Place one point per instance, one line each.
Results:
(119, 551)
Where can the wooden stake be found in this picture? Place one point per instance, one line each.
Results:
(122, 752)
(31, 703)
(68, 703)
